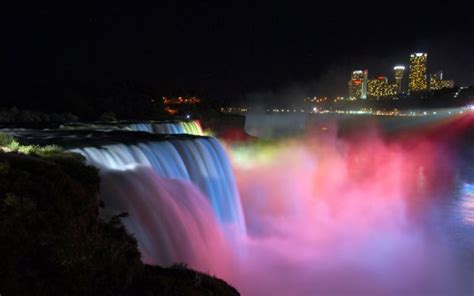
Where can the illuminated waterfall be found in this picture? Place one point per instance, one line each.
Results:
(199, 160)
(171, 219)
(467, 203)
(182, 127)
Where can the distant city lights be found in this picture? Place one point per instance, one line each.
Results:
(362, 111)
(379, 88)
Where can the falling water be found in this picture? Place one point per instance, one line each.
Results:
(181, 127)
(171, 219)
(199, 160)
(467, 203)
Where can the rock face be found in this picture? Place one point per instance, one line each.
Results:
(54, 243)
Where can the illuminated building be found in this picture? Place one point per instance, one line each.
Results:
(174, 105)
(181, 100)
(399, 71)
(437, 82)
(365, 78)
(355, 84)
(447, 84)
(379, 87)
(417, 76)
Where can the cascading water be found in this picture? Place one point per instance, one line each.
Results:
(182, 127)
(199, 160)
(171, 219)
(180, 195)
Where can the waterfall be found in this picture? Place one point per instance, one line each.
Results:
(182, 127)
(171, 219)
(199, 160)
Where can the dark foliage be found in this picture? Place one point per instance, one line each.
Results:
(179, 280)
(50, 234)
(15, 115)
(53, 242)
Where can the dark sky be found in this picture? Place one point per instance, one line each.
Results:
(227, 49)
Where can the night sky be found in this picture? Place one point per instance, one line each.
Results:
(227, 49)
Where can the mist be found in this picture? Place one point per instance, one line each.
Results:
(332, 215)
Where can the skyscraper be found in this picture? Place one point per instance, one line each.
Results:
(399, 71)
(417, 76)
(365, 78)
(355, 84)
(379, 87)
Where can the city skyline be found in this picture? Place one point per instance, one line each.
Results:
(420, 79)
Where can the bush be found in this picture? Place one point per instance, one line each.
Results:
(5, 140)
(51, 237)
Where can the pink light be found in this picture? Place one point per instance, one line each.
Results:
(327, 215)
